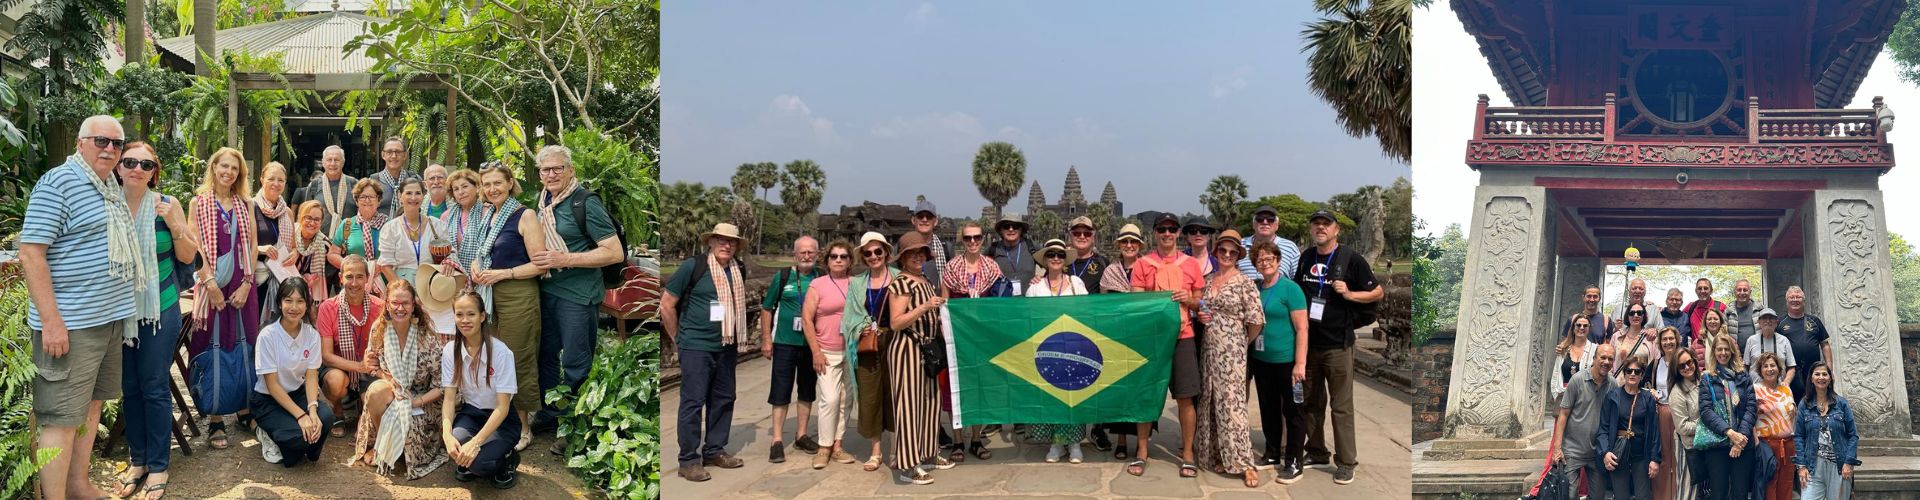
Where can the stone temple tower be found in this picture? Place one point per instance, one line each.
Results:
(1072, 199)
(1036, 201)
(1111, 199)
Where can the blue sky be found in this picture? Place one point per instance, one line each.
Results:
(894, 98)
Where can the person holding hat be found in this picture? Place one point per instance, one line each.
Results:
(509, 280)
(781, 343)
(1338, 285)
(704, 312)
(439, 285)
(969, 276)
(1766, 339)
(1266, 229)
(1056, 281)
(915, 312)
(1168, 270)
(866, 324)
(1231, 308)
(1088, 264)
(1011, 252)
(1199, 234)
(925, 221)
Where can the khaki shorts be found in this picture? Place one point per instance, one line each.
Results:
(90, 371)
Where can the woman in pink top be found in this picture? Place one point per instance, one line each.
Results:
(826, 298)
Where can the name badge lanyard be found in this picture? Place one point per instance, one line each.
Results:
(1326, 268)
(415, 242)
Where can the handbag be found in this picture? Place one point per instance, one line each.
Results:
(869, 342)
(933, 355)
(1703, 437)
(222, 378)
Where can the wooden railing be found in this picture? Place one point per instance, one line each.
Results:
(1599, 123)
(1815, 125)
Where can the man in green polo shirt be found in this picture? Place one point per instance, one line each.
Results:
(782, 341)
(571, 292)
(704, 314)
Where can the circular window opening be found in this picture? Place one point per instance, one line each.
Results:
(1682, 88)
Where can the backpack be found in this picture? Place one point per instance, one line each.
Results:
(611, 275)
(699, 269)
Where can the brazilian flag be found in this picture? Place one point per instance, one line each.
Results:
(1060, 360)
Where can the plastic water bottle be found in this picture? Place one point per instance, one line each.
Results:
(1299, 393)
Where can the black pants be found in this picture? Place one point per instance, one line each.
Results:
(284, 430)
(1597, 478)
(1629, 480)
(1728, 477)
(496, 453)
(1283, 421)
(706, 402)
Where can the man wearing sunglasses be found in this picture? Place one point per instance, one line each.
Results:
(393, 153)
(1266, 227)
(925, 221)
(1166, 269)
(1012, 254)
(79, 261)
(1090, 264)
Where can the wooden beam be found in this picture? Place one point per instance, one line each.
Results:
(1712, 234)
(1678, 223)
(1689, 213)
(453, 108)
(331, 82)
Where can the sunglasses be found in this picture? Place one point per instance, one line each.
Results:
(877, 252)
(1688, 365)
(1582, 327)
(1200, 232)
(1056, 255)
(1633, 371)
(1265, 220)
(101, 141)
(1083, 234)
(838, 256)
(1636, 313)
(132, 163)
(973, 238)
(1166, 230)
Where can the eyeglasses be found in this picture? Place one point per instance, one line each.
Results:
(1265, 220)
(1166, 230)
(550, 170)
(877, 252)
(101, 141)
(367, 197)
(131, 163)
(973, 238)
(1267, 259)
(1056, 255)
(1633, 371)
(393, 151)
(1083, 234)
(838, 256)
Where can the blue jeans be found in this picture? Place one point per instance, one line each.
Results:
(148, 408)
(496, 453)
(706, 389)
(568, 335)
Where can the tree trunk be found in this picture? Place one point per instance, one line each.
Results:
(205, 23)
(1377, 234)
(136, 28)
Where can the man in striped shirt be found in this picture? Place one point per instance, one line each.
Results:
(82, 297)
(1266, 224)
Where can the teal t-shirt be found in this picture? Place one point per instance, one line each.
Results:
(786, 300)
(697, 333)
(1279, 301)
(579, 285)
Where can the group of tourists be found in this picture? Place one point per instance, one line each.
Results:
(362, 304)
(1702, 400)
(846, 326)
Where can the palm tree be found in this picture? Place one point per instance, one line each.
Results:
(1046, 225)
(998, 171)
(766, 175)
(802, 187)
(1222, 199)
(1360, 62)
(136, 30)
(1103, 227)
(205, 19)
(686, 210)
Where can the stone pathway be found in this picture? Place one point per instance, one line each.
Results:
(1018, 471)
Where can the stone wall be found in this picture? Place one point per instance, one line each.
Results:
(1432, 365)
(1910, 353)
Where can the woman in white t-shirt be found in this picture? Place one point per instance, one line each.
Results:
(1056, 282)
(286, 398)
(406, 242)
(481, 430)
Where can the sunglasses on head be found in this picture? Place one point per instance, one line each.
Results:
(101, 141)
(877, 252)
(973, 237)
(1166, 229)
(133, 163)
(838, 256)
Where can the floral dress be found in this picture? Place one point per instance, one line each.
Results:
(1222, 438)
(423, 450)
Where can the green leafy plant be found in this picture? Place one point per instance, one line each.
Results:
(626, 180)
(18, 459)
(205, 101)
(612, 426)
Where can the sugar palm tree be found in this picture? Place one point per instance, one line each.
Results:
(1222, 199)
(1360, 62)
(205, 24)
(686, 210)
(999, 169)
(803, 184)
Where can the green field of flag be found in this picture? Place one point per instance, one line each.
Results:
(1060, 360)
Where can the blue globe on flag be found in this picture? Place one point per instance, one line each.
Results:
(1068, 361)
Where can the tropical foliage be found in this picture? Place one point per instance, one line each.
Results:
(18, 460)
(999, 169)
(803, 184)
(205, 101)
(1439, 263)
(626, 180)
(1222, 199)
(689, 209)
(1906, 278)
(612, 426)
(1046, 225)
(1360, 61)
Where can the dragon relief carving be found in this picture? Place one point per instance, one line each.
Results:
(1859, 322)
(1495, 326)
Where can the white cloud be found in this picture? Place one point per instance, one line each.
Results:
(922, 14)
(1225, 85)
(790, 107)
(1086, 129)
(952, 124)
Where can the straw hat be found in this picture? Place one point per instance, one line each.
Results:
(1230, 235)
(1055, 244)
(871, 238)
(1130, 232)
(438, 288)
(723, 230)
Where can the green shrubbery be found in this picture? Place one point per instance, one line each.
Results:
(18, 461)
(612, 427)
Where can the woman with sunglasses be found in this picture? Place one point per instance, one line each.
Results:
(1056, 282)
(1775, 426)
(1728, 410)
(1231, 309)
(1828, 442)
(1628, 440)
(971, 275)
(1118, 278)
(1635, 338)
(915, 404)
(820, 316)
(866, 326)
(1574, 354)
(1661, 373)
(223, 217)
(162, 232)
(1683, 403)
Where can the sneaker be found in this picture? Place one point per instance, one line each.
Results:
(807, 444)
(1266, 463)
(777, 453)
(506, 479)
(1318, 462)
(1073, 454)
(942, 463)
(1343, 474)
(1101, 441)
(1289, 472)
(268, 450)
(695, 472)
(724, 461)
(843, 457)
(463, 475)
(1053, 453)
(915, 476)
(820, 460)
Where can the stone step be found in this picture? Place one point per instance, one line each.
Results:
(1878, 477)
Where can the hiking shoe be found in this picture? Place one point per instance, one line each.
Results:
(820, 460)
(807, 444)
(1289, 472)
(777, 453)
(1318, 462)
(695, 473)
(724, 461)
(1343, 474)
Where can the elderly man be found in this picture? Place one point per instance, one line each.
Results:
(925, 220)
(1637, 294)
(704, 314)
(783, 341)
(580, 240)
(1012, 252)
(1766, 341)
(332, 188)
(82, 268)
(393, 153)
(438, 197)
(1740, 317)
(1579, 417)
(1091, 265)
(1807, 333)
(1266, 227)
(1337, 285)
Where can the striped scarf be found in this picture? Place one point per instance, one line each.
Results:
(315, 252)
(281, 214)
(148, 305)
(401, 357)
(460, 222)
(484, 237)
(123, 263)
(210, 213)
(730, 291)
(552, 224)
(345, 324)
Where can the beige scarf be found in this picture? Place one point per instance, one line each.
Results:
(732, 294)
(547, 203)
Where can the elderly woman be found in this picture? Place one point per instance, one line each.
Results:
(1683, 401)
(310, 249)
(360, 234)
(506, 277)
(401, 416)
(1278, 361)
(1727, 410)
(273, 223)
(820, 314)
(1628, 440)
(915, 308)
(1118, 278)
(1230, 307)
(223, 219)
(406, 241)
(162, 231)
(463, 216)
(1775, 425)
(971, 275)
(1828, 443)
(867, 327)
(1055, 281)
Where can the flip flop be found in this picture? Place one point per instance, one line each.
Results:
(134, 482)
(1120, 452)
(1137, 467)
(147, 492)
(1187, 470)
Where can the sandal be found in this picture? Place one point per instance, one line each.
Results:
(1251, 477)
(217, 439)
(339, 428)
(873, 464)
(1137, 467)
(147, 492)
(957, 454)
(130, 485)
(1120, 452)
(1187, 470)
(980, 451)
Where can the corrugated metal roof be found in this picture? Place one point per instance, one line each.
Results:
(319, 6)
(309, 44)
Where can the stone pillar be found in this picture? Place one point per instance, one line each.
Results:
(1573, 275)
(1505, 334)
(1852, 292)
(1780, 274)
